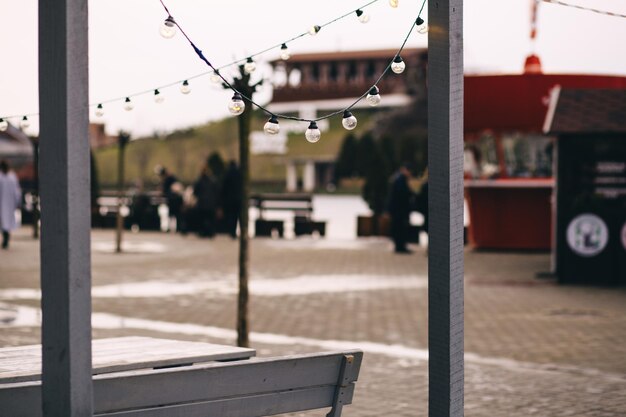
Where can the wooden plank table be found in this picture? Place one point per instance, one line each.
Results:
(23, 363)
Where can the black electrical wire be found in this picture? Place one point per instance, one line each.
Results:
(216, 70)
(284, 116)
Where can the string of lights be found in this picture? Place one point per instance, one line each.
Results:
(588, 9)
(313, 133)
(168, 30)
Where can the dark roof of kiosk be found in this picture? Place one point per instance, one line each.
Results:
(587, 111)
(520, 102)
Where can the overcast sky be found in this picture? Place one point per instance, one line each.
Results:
(127, 55)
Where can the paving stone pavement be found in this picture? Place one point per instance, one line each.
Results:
(533, 348)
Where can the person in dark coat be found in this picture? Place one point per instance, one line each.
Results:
(206, 192)
(399, 208)
(231, 198)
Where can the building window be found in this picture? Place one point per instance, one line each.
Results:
(527, 156)
(481, 158)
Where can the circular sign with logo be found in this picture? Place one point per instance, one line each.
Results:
(624, 236)
(587, 235)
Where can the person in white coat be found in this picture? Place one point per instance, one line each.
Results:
(10, 200)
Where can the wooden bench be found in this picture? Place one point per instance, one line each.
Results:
(300, 204)
(188, 379)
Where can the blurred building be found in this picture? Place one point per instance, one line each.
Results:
(98, 137)
(17, 149)
(509, 159)
(307, 84)
(333, 80)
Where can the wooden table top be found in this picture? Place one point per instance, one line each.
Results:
(23, 363)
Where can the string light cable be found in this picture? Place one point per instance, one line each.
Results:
(168, 30)
(588, 9)
(312, 133)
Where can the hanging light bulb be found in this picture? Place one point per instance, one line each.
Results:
(168, 28)
(184, 87)
(284, 52)
(24, 123)
(314, 30)
(158, 97)
(128, 105)
(394, 3)
(236, 106)
(373, 97)
(249, 66)
(215, 77)
(348, 121)
(272, 127)
(99, 111)
(4, 125)
(421, 26)
(363, 18)
(398, 65)
(313, 133)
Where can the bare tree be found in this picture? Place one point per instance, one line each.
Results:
(242, 84)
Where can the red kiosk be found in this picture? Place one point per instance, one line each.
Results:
(508, 160)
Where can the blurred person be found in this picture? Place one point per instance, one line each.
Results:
(10, 199)
(206, 192)
(172, 190)
(231, 198)
(399, 208)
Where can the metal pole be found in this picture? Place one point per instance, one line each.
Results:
(123, 139)
(66, 220)
(445, 205)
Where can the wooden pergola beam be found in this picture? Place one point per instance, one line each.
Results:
(445, 164)
(65, 201)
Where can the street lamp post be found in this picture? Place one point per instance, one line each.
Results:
(123, 139)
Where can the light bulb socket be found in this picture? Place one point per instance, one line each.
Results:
(157, 92)
(127, 100)
(237, 96)
(273, 119)
(397, 59)
(359, 12)
(99, 106)
(313, 125)
(185, 82)
(373, 91)
(317, 28)
(25, 118)
(170, 21)
(419, 21)
(249, 60)
(346, 114)
(283, 46)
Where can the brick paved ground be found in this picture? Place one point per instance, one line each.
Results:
(533, 348)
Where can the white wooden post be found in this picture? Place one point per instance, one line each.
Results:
(65, 202)
(309, 176)
(292, 177)
(445, 163)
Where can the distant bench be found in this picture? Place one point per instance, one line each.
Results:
(300, 204)
(177, 385)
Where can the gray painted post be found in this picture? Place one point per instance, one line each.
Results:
(445, 205)
(65, 217)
